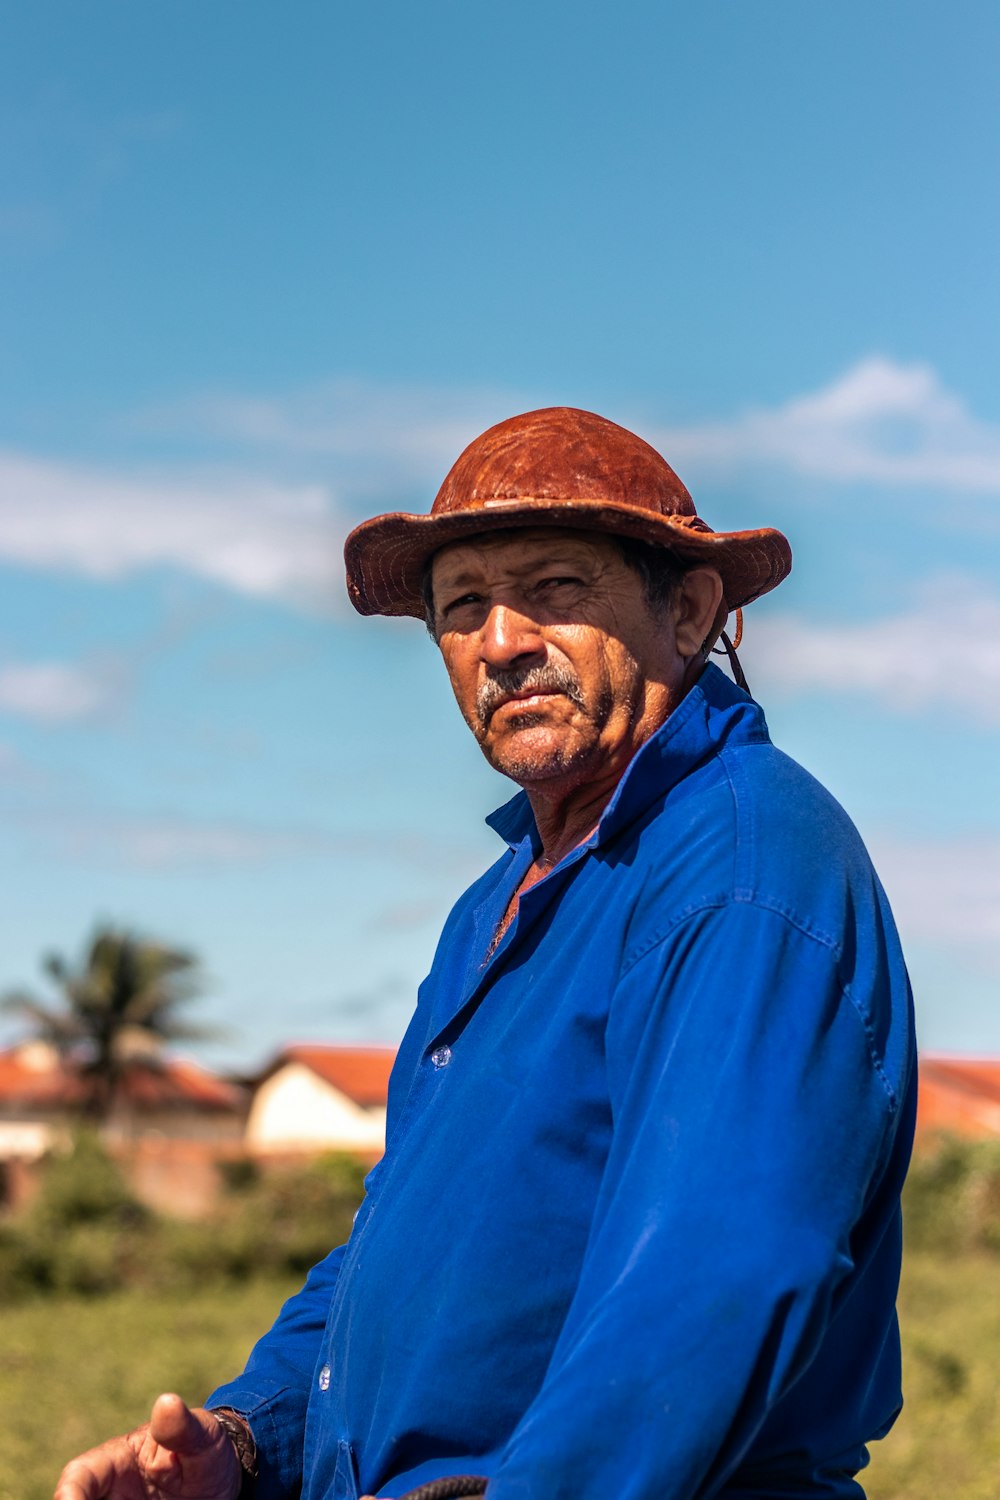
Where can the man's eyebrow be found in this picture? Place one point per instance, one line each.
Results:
(460, 580)
(572, 561)
(575, 563)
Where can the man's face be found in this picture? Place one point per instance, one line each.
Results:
(559, 664)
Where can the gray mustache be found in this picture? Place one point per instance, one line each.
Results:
(500, 684)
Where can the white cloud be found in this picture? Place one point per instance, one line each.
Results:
(153, 842)
(945, 891)
(881, 422)
(380, 438)
(10, 761)
(270, 539)
(247, 534)
(165, 843)
(56, 692)
(389, 447)
(944, 653)
(173, 840)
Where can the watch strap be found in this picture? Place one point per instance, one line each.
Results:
(237, 1429)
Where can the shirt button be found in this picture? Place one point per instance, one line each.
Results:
(324, 1378)
(442, 1057)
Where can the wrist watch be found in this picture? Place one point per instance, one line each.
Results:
(237, 1429)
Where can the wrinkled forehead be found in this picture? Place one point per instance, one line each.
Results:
(521, 548)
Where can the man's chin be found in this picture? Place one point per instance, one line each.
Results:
(534, 755)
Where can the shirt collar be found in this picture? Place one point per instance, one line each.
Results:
(712, 712)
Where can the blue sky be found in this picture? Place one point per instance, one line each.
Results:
(265, 272)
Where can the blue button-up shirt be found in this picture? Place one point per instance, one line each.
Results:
(636, 1231)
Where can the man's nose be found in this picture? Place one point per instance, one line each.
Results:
(508, 635)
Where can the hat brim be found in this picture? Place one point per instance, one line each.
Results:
(386, 556)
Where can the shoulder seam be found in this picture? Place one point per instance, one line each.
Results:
(821, 939)
(743, 842)
(739, 897)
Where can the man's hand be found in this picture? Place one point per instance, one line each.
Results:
(178, 1454)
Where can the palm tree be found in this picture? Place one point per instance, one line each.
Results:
(120, 1001)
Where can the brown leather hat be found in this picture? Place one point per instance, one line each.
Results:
(555, 467)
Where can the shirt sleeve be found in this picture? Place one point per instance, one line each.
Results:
(274, 1388)
(751, 1117)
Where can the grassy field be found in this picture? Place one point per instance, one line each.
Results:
(946, 1443)
(73, 1371)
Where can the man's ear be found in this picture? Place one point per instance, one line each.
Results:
(699, 611)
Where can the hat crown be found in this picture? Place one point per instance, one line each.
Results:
(561, 453)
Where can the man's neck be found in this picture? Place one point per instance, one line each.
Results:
(567, 812)
(565, 819)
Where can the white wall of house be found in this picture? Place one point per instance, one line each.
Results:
(297, 1110)
(27, 1140)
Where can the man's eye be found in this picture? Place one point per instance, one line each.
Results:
(464, 601)
(557, 583)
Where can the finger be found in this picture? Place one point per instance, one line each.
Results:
(70, 1488)
(86, 1478)
(175, 1426)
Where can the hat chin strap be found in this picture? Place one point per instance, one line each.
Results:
(729, 649)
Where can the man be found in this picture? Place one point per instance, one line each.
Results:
(636, 1230)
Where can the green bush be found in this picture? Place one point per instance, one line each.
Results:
(85, 1233)
(21, 1268)
(81, 1231)
(283, 1220)
(238, 1174)
(84, 1186)
(87, 1260)
(952, 1197)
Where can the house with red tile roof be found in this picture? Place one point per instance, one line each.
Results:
(170, 1122)
(960, 1095)
(321, 1098)
(156, 1092)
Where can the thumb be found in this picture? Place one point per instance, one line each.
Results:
(175, 1426)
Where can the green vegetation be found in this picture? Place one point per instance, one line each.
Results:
(952, 1198)
(946, 1443)
(947, 1440)
(85, 1234)
(107, 1306)
(75, 1370)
